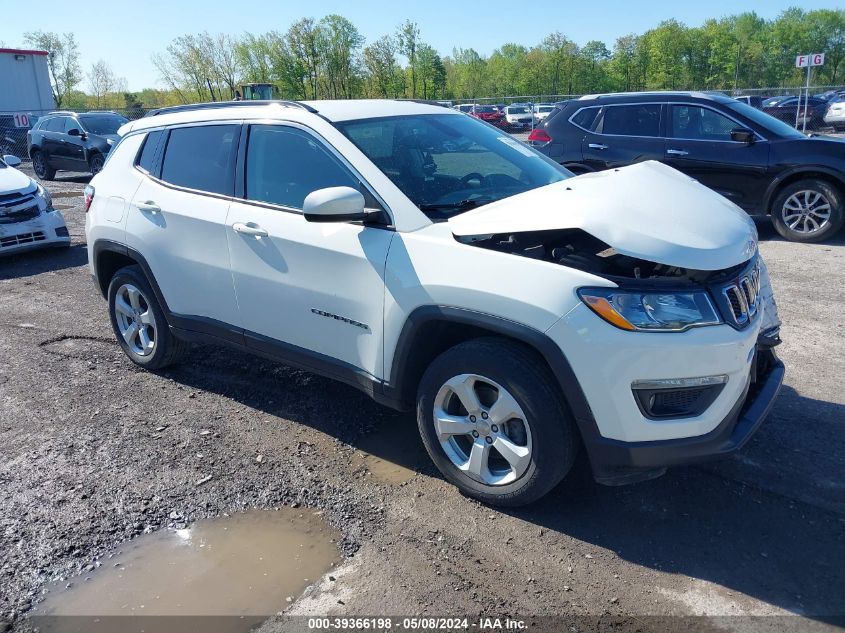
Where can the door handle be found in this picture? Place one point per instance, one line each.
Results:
(148, 207)
(677, 152)
(249, 229)
(597, 146)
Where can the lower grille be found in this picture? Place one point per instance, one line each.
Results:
(21, 238)
(686, 402)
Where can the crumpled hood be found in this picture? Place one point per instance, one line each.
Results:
(12, 180)
(648, 211)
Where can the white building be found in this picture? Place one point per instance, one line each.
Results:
(24, 82)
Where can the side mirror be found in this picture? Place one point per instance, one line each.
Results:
(11, 160)
(74, 132)
(334, 204)
(742, 135)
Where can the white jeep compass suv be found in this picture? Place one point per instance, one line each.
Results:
(437, 264)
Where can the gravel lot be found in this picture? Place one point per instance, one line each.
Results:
(95, 452)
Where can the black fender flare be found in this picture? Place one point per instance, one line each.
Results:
(555, 358)
(809, 171)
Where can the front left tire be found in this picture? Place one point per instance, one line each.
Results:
(808, 210)
(493, 421)
(96, 164)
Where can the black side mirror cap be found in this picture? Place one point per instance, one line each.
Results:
(742, 135)
(74, 132)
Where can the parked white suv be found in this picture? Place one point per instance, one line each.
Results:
(438, 264)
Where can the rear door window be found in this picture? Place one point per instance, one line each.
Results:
(636, 119)
(202, 158)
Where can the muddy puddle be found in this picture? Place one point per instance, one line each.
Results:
(394, 453)
(228, 574)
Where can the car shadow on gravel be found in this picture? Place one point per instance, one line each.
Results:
(722, 522)
(767, 233)
(693, 521)
(30, 263)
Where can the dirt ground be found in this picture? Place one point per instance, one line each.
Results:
(94, 451)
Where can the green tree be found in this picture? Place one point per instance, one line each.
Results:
(408, 36)
(62, 61)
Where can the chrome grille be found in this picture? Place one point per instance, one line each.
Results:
(18, 207)
(21, 238)
(743, 297)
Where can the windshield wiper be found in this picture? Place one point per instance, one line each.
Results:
(463, 205)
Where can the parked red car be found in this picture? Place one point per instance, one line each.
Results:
(488, 113)
(813, 110)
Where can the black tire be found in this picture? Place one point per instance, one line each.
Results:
(41, 166)
(521, 372)
(781, 214)
(95, 164)
(167, 349)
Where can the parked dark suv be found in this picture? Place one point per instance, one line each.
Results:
(756, 161)
(72, 142)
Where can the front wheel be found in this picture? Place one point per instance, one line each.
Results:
(493, 422)
(808, 211)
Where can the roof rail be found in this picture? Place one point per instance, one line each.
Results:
(422, 101)
(212, 105)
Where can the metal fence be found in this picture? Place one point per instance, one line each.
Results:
(14, 125)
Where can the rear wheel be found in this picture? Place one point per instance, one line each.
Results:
(41, 167)
(808, 211)
(96, 163)
(493, 422)
(139, 323)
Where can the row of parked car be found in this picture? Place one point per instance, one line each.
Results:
(822, 110)
(513, 117)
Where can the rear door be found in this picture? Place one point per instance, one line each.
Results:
(699, 144)
(624, 134)
(52, 144)
(177, 219)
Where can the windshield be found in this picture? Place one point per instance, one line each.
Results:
(102, 123)
(767, 122)
(447, 164)
(485, 109)
(544, 108)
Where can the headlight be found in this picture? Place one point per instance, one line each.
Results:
(653, 311)
(43, 193)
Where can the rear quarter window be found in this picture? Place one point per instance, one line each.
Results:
(201, 158)
(147, 155)
(585, 118)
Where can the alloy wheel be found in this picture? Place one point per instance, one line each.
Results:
(806, 211)
(135, 320)
(39, 165)
(482, 429)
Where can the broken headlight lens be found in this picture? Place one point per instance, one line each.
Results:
(651, 311)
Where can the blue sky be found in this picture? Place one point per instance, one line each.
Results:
(126, 34)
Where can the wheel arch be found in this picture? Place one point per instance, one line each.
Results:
(109, 257)
(431, 330)
(831, 176)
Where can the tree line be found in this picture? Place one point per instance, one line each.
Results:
(329, 58)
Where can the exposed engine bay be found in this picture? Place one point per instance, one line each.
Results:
(578, 249)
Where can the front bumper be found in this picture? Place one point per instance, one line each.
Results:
(615, 462)
(43, 231)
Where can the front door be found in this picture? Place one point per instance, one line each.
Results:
(312, 291)
(699, 144)
(624, 134)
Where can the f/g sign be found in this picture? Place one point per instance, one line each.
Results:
(815, 59)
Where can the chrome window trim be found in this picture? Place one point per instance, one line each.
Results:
(668, 138)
